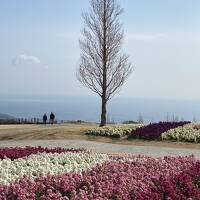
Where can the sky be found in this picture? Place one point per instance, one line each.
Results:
(39, 50)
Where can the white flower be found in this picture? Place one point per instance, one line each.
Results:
(43, 163)
(186, 133)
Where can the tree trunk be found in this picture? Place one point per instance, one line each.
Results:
(103, 112)
(104, 86)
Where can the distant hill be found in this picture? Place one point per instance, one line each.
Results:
(6, 117)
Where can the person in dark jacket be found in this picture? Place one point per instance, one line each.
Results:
(45, 119)
(52, 118)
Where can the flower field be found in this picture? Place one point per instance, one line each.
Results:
(115, 131)
(14, 153)
(172, 131)
(81, 175)
(187, 133)
(155, 130)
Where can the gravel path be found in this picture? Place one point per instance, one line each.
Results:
(104, 147)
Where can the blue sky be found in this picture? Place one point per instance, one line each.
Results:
(39, 50)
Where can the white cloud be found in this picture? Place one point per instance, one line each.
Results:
(24, 60)
(145, 37)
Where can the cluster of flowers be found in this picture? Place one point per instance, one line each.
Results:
(115, 131)
(187, 133)
(155, 130)
(43, 163)
(19, 152)
(120, 177)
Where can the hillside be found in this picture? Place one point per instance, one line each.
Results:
(5, 117)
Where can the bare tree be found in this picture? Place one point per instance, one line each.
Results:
(103, 69)
(194, 120)
(140, 119)
(167, 118)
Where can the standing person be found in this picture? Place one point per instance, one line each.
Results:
(45, 119)
(52, 118)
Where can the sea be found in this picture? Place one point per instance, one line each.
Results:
(88, 109)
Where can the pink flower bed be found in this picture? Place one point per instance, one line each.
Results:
(121, 178)
(18, 152)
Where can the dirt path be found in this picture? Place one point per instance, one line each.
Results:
(75, 133)
(105, 147)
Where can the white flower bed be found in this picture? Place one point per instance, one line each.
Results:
(113, 130)
(42, 164)
(186, 134)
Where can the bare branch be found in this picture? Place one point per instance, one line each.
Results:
(103, 68)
